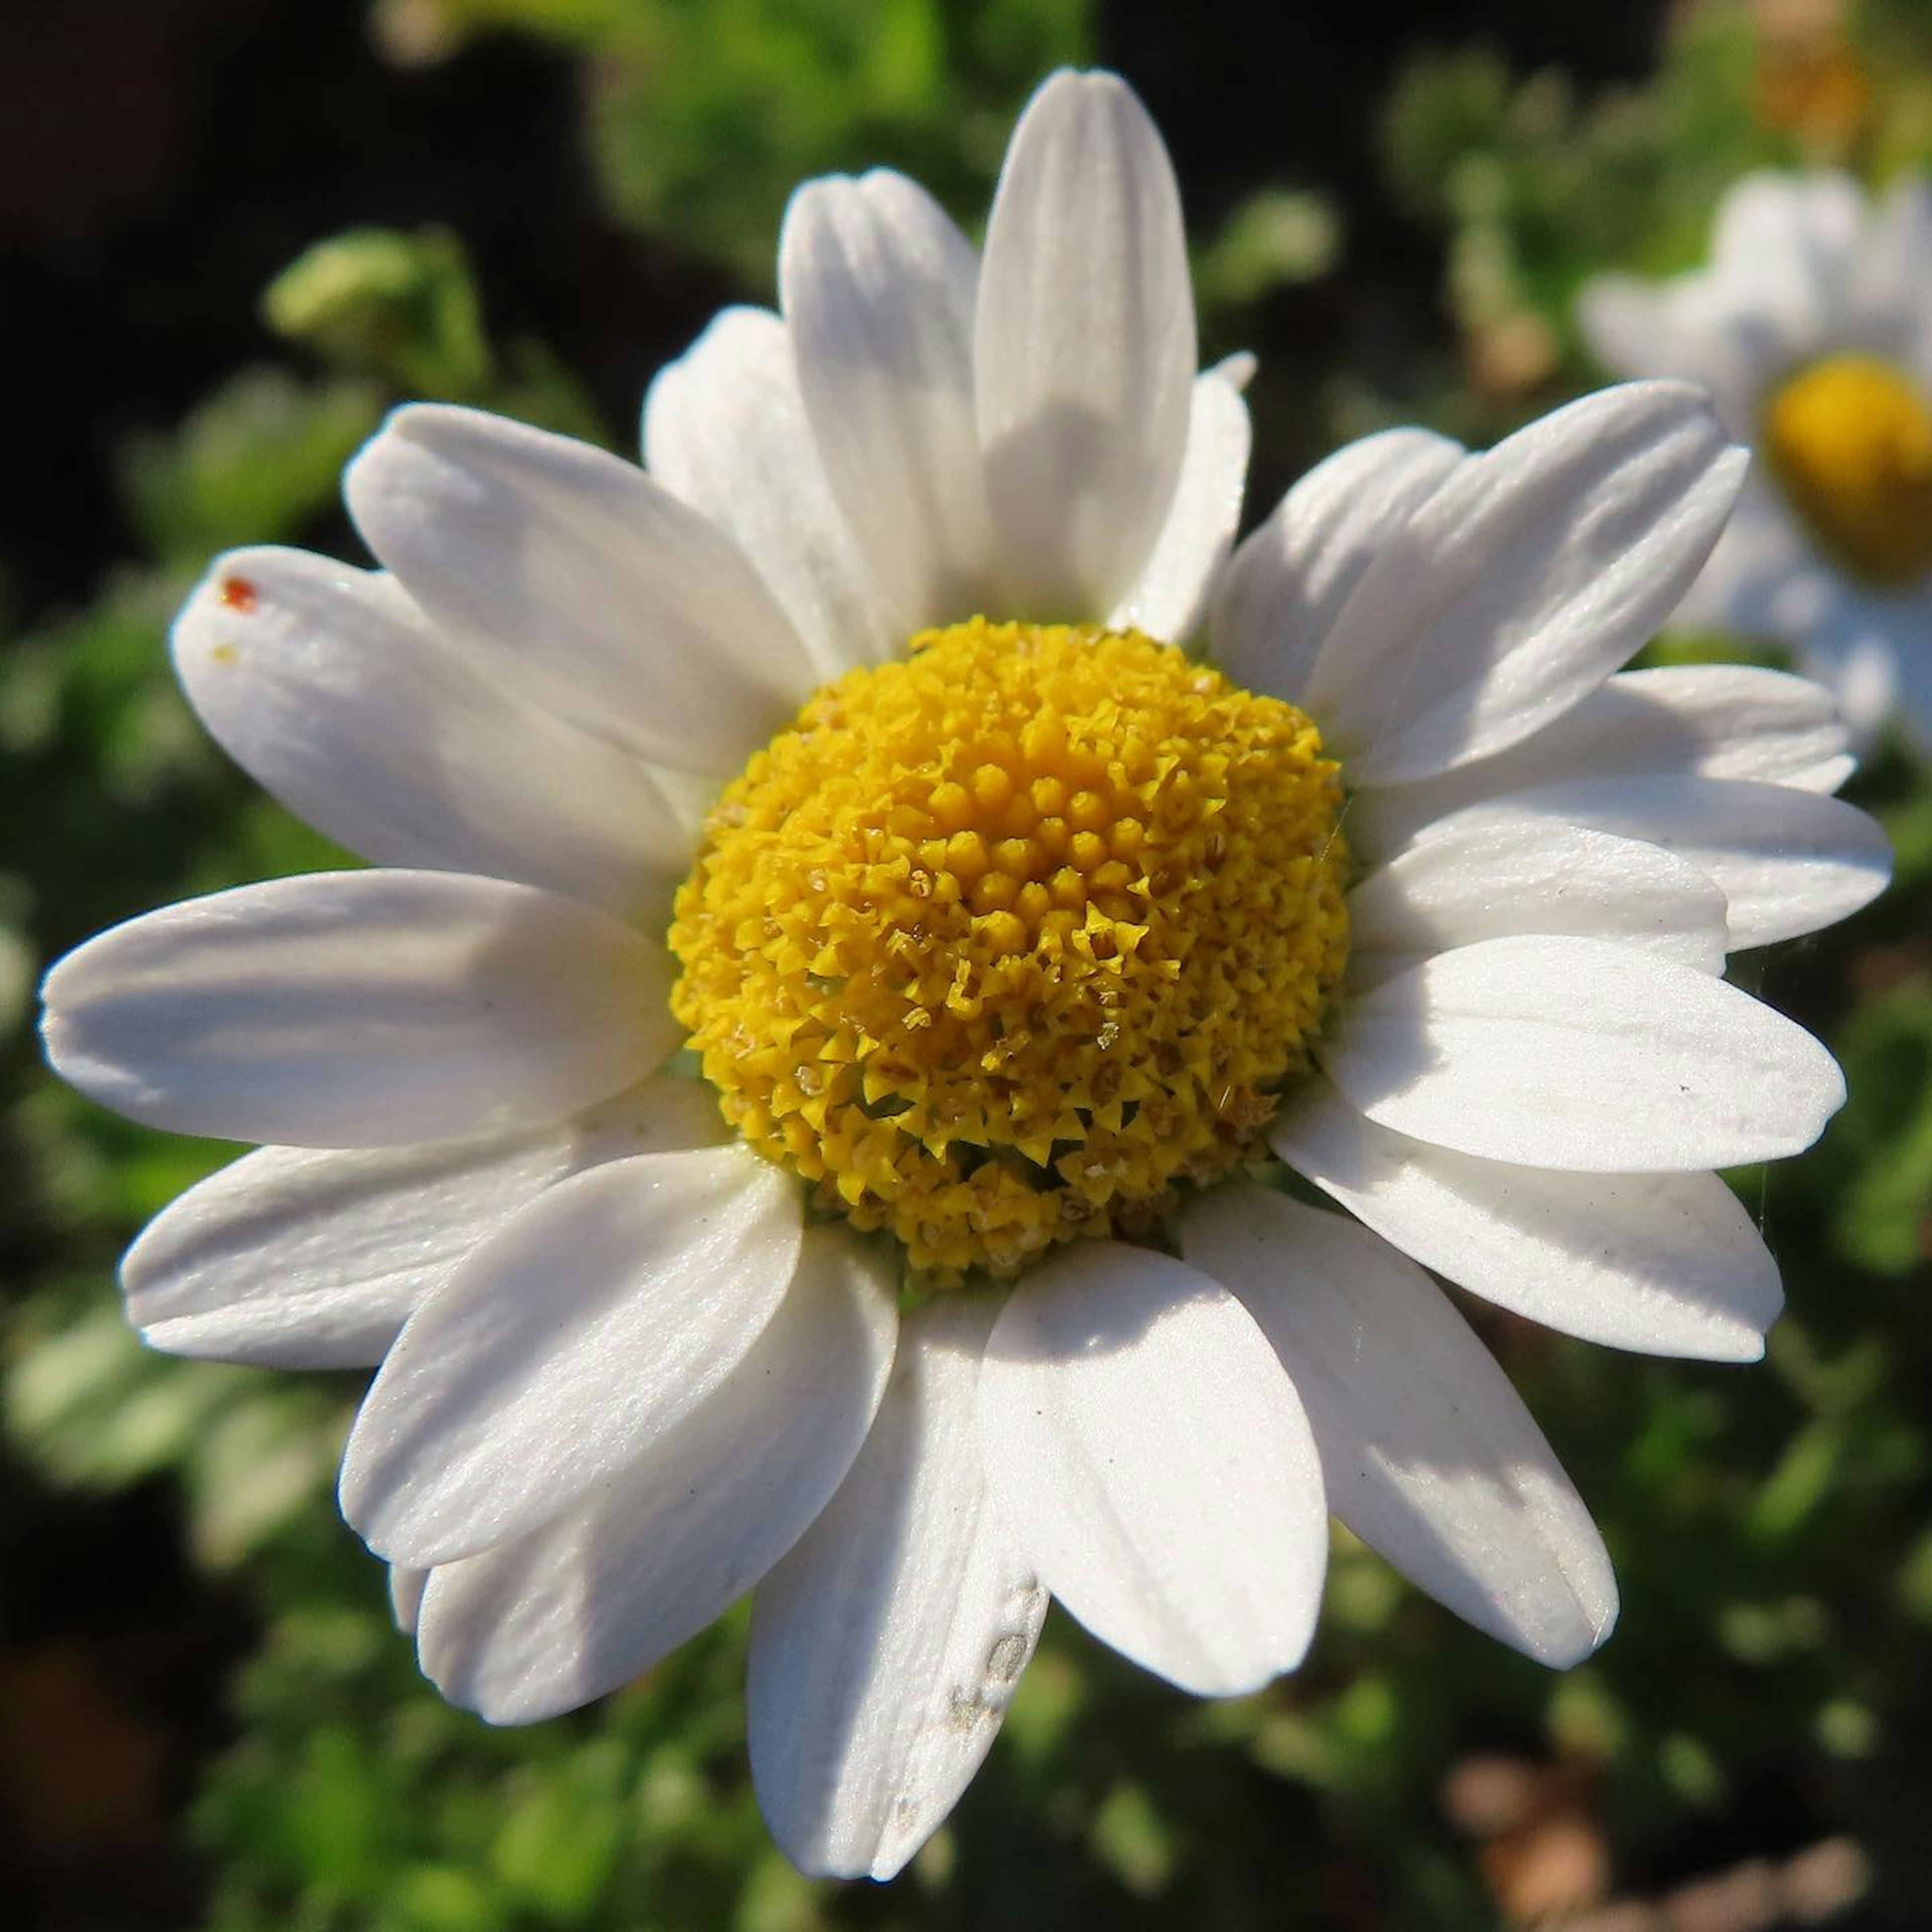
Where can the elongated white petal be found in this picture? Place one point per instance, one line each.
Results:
(360, 1009)
(886, 1647)
(1169, 600)
(1704, 720)
(878, 289)
(566, 1348)
(298, 1258)
(1788, 861)
(1427, 1452)
(539, 1626)
(406, 1596)
(1288, 581)
(1525, 579)
(1718, 721)
(589, 585)
(328, 687)
(1573, 1054)
(1084, 349)
(1664, 1263)
(724, 428)
(1484, 880)
(1150, 1454)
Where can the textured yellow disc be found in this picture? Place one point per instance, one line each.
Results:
(998, 944)
(1850, 439)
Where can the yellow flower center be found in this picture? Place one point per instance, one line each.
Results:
(1850, 439)
(997, 945)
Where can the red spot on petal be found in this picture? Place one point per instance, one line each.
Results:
(239, 594)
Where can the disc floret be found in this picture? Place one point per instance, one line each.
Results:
(1850, 439)
(1003, 943)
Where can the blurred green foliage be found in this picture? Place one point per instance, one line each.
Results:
(702, 119)
(1772, 1678)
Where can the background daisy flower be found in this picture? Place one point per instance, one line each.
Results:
(1809, 328)
(1023, 953)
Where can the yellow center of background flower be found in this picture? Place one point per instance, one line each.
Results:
(997, 945)
(1850, 440)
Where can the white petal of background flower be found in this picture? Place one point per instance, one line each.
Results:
(1428, 1454)
(1083, 348)
(1169, 601)
(329, 688)
(1785, 247)
(1863, 649)
(1155, 1463)
(565, 1348)
(1459, 883)
(1681, 721)
(538, 1627)
(300, 1258)
(1787, 862)
(724, 429)
(1575, 1054)
(360, 1009)
(1913, 667)
(1664, 1263)
(878, 288)
(1527, 577)
(886, 1647)
(592, 587)
(1894, 270)
(1287, 583)
(1693, 330)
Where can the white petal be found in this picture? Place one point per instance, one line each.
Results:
(1428, 1454)
(1709, 721)
(1871, 661)
(1665, 1263)
(589, 585)
(1912, 669)
(1573, 1054)
(1240, 369)
(1524, 580)
(878, 289)
(1483, 880)
(1084, 353)
(1718, 721)
(328, 687)
(1894, 272)
(406, 1596)
(1288, 581)
(1695, 329)
(360, 1009)
(1142, 1440)
(1170, 600)
(886, 1647)
(1787, 862)
(1790, 240)
(724, 428)
(541, 1625)
(564, 1349)
(1625, 324)
(297, 1258)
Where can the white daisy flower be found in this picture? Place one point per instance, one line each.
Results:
(848, 741)
(1812, 328)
